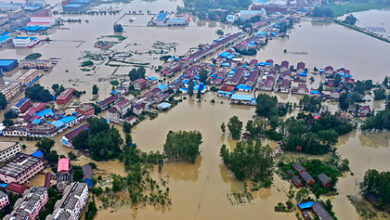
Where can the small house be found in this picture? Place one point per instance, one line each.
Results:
(296, 181)
(307, 178)
(325, 180)
(298, 167)
(140, 84)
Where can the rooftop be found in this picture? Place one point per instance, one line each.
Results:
(7, 144)
(18, 165)
(6, 62)
(63, 165)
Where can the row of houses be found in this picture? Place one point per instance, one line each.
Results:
(308, 179)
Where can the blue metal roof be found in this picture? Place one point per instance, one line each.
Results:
(162, 87)
(305, 205)
(162, 16)
(44, 112)
(37, 153)
(21, 102)
(7, 62)
(88, 181)
(243, 87)
(152, 78)
(67, 119)
(4, 38)
(242, 97)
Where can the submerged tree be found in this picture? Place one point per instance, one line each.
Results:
(183, 145)
(235, 127)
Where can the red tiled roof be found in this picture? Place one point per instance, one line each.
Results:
(17, 188)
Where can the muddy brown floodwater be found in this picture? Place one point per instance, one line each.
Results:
(199, 191)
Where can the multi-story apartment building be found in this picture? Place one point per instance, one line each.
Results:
(8, 150)
(29, 206)
(74, 199)
(20, 169)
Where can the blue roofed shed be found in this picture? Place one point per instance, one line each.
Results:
(8, 64)
(37, 154)
(45, 112)
(305, 205)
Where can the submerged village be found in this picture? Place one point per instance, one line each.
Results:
(247, 135)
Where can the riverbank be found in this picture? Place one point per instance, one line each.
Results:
(350, 7)
(361, 30)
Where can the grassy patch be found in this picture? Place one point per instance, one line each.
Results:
(340, 10)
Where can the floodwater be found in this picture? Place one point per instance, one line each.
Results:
(332, 45)
(374, 18)
(72, 39)
(199, 191)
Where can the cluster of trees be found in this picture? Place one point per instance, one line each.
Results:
(377, 183)
(137, 73)
(354, 93)
(45, 145)
(310, 103)
(379, 94)
(379, 121)
(234, 126)
(322, 12)
(286, 25)
(57, 89)
(8, 116)
(118, 28)
(3, 101)
(246, 52)
(91, 210)
(267, 106)
(101, 140)
(350, 19)
(38, 93)
(183, 145)
(315, 136)
(95, 89)
(249, 160)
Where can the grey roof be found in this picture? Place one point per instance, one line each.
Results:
(324, 178)
(87, 171)
(296, 180)
(306, 176)
(18, 165)
(3, 194)
(298, 167)
(321, 212)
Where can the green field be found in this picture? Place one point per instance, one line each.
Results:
(340, 10)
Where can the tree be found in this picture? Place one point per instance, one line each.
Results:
(52, 157)
(37, 93)
(203, 75)
(223, 128)
(126, 127)
(118, 28)
(377, 183)
(45, 145)
(198, 94)
(235, 127)
(10, 114)
(71, 155)
(95, 89)
(8, 122)
(379, 94)
(3, 101)
(55, 87)
(183, 145)
(249, 161)
(138, 73)
(310, 103)
(344, 102)
(350, 19)
(191, 88)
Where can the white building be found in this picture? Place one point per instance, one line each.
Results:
(8, 150)
(25, 41)
(74, 200)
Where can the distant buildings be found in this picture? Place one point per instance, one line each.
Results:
(8, 64)
(8, 150)
(68, 138)
(63, 175)
(86, 109)
(140, 84)
(43, 18)
(21, 106)
(20, 169)
(29, 206)
(74, 200)
(65, 96)
(28, 77)
(11, 90)
(25, 42)
(45, 65)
